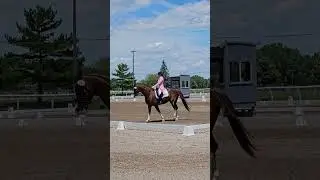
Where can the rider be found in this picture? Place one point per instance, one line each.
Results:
(159, 86)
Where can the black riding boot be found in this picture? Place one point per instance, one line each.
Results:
(160, 98)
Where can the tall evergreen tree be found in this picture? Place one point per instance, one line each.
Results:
(165, 72)
(43, 46)
(124, 77)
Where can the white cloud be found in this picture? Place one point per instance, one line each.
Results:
(120, 6)
(169, 36)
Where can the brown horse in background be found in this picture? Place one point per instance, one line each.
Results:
(89, 86)
(151, 100)
(221, 101)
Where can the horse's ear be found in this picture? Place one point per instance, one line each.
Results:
(81, 82)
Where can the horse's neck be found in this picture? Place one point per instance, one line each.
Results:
(145, 91)
(102, 93)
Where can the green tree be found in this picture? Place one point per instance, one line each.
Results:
(100, 66)
(8, 77)
(124, 77)
(198, 82)
(43, 45)
(314, 68)
(149, 80)
(279, 64)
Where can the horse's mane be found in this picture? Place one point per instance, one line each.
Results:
(144, 86)
(99, 75)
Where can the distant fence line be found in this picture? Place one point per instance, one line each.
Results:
(280, 93)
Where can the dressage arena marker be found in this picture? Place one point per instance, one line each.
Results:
(290, 101)
(52, 103)
(188, 131)
(22, 123)
(300, 121)
(121, 126)
(10, 112)
(204, 99)
(39, 115)
(70, 108)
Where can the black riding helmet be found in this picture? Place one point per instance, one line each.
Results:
(160, 74)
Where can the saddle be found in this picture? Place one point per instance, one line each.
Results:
(160, 95)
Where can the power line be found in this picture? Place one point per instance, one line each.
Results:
(267, 36)
(80, 39)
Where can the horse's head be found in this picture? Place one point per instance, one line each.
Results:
(145, 90)
(136, 90)
(83, 95)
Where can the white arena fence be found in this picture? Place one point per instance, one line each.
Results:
(286, 95)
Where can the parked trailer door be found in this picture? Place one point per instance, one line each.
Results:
(240, 68)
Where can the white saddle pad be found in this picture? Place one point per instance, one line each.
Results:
(165, 93)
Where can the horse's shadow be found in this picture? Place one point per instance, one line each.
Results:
(170, 120)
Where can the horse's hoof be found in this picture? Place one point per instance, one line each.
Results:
(176, 119)
(147, 121)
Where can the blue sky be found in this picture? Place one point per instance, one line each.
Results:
(175, 30)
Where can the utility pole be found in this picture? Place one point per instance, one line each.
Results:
(74, 43)
(133, 83)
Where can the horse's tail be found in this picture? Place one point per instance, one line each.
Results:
(184, 101)
(237, 127)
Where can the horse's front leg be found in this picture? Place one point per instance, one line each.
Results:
(157, 108)
(149, 112)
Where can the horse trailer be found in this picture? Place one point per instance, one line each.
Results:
(234, 68)
(181, 82)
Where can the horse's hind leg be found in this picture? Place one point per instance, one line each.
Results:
(157, 108)
(175, 107)
(213, 148)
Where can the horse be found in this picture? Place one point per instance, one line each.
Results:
(89, 86)
(151, 100)
(220, 101)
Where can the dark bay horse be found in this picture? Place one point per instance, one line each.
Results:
(221, 101)
(151, 100)
(89, 86)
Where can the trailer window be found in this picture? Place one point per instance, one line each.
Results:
(183, 84)
(240, 72)
(245, 71)
(234, 72)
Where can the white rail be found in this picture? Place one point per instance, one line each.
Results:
(310, 94)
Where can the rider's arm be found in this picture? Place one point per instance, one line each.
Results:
(160, 80)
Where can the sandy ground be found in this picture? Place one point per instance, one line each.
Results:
(57, 150)
(138, 111)
(54, 153)
(144, 155)
(285, 151)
